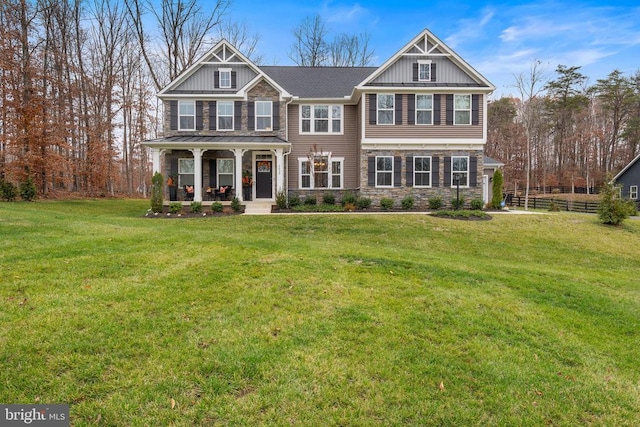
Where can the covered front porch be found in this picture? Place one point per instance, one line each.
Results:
(209, 168)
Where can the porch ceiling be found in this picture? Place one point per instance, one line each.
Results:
(218, 142)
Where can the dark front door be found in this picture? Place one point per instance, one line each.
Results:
(264, 179)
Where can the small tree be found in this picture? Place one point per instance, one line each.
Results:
(28, 190)
(156, 192)
(496, 199)
(612, 209)
(8, 190)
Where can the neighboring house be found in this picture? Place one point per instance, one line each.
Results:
(416, 125)
(629, 180)
(490, 167)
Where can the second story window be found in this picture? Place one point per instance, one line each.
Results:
(321, 118)
(424, 109)
(385, 108)
(462, 109)
(225, 78)
(263, 115)
(187, 115)
(225, 115)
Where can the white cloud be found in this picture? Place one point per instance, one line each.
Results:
(470, 28)
(348, 14)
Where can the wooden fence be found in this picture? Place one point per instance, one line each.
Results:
(547, 204)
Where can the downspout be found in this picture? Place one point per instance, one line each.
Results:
(284, 155)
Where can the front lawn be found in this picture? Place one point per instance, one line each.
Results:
(337, 320)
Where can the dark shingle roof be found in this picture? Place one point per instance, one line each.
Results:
(318, 82)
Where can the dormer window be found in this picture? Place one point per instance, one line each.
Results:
(225, 78)
(424, 71)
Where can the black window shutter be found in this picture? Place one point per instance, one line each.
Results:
(251, 122)
(409, 175)
(213, 115)
(411, 109)
(435, 172)
(212, 173)
(199, 118)
(436, 109)
(276, 115)
(371, 171)
(473, 171)
(237, 115)
(398, 106)
(475, 109)
(449, 109)
(415, 71)
(234, 80)
(397, 171)
(433, 72)
(373, 109)
(447, 171)
(216, 79)
(173, 115)
(173, 168)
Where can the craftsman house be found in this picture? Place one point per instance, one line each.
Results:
(416, 125)
(629, 180)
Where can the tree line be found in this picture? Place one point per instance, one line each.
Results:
(562, 132)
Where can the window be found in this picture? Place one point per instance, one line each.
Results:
(633, 192)
(186, 115)
(384, 171)
(322, 171)
(321, 118)
(225, 115)
(424, 109)
(225, 78)
(185, 172)
(460, 171)
(422, 171)
(424, 71)
(225, 172)
(385, 109)
(263, 115)
(462, 109)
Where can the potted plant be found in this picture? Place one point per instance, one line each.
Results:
(173, 189)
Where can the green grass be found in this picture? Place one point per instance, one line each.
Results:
(333, 320)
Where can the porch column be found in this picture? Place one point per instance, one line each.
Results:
(197, 172)
(279, 170)
(155, 156)
(238, 152)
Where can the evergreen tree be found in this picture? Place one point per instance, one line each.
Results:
(612, 209)
(156, 192)
(496, 200)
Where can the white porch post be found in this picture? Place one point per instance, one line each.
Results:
(197, 171)
(155, 156)
(238, 152)
(279, 170)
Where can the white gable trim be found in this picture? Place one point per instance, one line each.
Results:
(631, 163)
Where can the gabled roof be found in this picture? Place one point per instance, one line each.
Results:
(631, 163)
(489, 162)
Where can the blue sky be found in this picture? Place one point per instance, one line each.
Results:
(499, 39)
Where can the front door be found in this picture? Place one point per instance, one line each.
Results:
(264, 179)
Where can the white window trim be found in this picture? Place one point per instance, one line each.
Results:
(453, 183)
(422, 109)
(225, 159)
(430, 172)
(267, 129)
(180, 115)
(392, 172)
(330, 161)
(311, 119)
(633, 192)
(218, 116)
(181, 173)
(224, 70)
(393, 109)
(428, 64)
(469, 110)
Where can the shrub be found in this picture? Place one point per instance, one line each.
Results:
(386, 203)
(28, 190)
(175, 207)
(216, 207)
(235, 205)
(496, 199)
(553, 206)
(363, 202)
(281, 200)
(156, 192)
(612, 209)
(294, 201)
(348, 198)
(349, 207)
(457, 203)
(632, 209)
(407, 202)
(196, 207)
(477, 204)
(435, 203)
(8, 191)
(328, 199)
(310, 201)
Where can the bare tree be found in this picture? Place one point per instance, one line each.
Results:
(309, 48)
(238, 35)
(350, 51)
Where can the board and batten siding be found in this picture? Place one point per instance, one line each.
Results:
(402, 71)
(203, 80)
(344, 145)
(409, 131)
